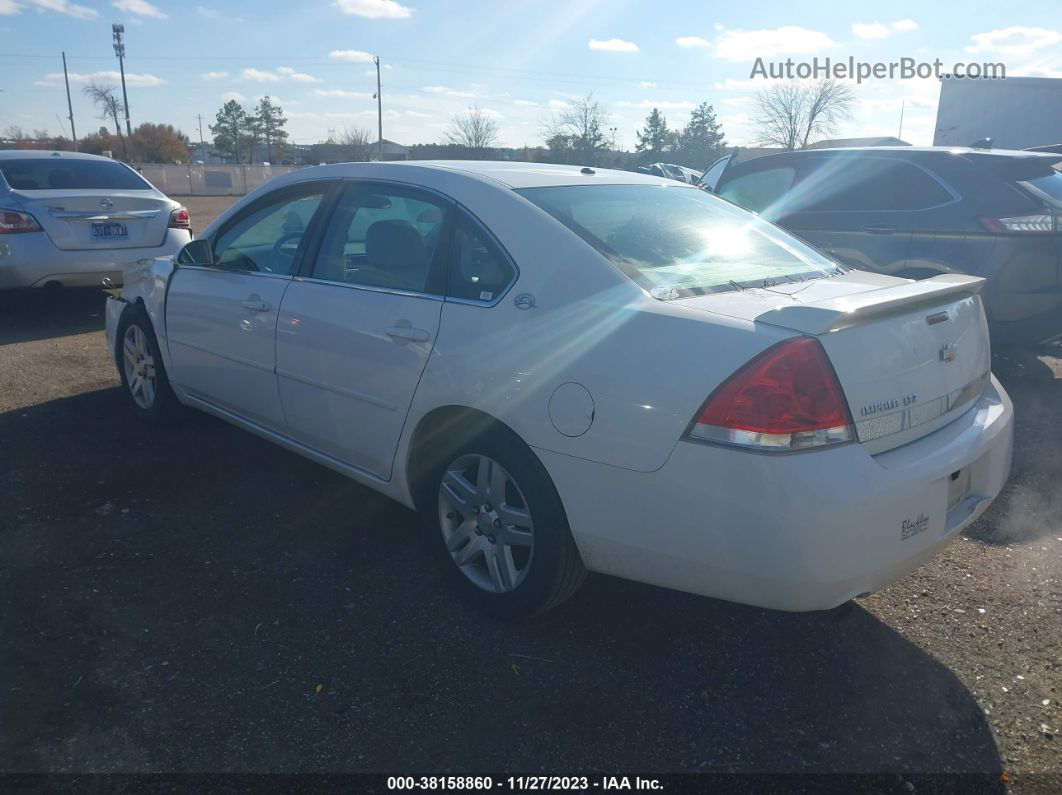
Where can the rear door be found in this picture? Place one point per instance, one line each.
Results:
(221, 320)
(355, 331)
(85, 204)
(857, 208)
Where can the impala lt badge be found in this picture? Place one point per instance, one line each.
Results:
(948, 352)
(884, 406)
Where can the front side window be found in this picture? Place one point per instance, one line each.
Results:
(679, 241)
(266, 238)
(478, 269)
(760, 191)
(68, 173)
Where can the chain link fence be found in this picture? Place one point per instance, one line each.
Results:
(210, 180)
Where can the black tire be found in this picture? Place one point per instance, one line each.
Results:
(554, 570)
(164, 407)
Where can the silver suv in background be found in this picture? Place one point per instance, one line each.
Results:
(74, 220)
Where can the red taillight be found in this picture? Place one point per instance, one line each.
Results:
(1038, 223)
(180, 219)
(13, 222)
(787, 398)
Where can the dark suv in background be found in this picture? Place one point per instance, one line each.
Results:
(918, 212)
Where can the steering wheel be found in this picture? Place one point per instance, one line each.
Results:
(286, 245)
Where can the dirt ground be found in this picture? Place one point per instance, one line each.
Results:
(195, 599)
(205, 209)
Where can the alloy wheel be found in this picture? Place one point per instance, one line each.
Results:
(486, 523)
(139, 366)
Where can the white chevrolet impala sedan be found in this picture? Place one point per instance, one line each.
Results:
(570, 369)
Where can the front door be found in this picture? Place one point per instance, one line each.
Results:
(221, 320)
(354, 335)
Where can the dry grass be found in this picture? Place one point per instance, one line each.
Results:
(205, 209)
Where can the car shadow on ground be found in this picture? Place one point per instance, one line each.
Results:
(193, 598)
(27, 315)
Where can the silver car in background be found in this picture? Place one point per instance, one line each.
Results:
(75, 220)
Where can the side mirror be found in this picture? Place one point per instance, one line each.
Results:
(197, 252)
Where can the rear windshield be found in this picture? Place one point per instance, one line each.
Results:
(57, 173)
(676, 242)
(1047, 187)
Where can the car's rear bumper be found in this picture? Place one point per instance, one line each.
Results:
(805, 531)
(32, 260)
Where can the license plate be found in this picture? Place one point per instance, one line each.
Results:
(958, 487)
(109, 231)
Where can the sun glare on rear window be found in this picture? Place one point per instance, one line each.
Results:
(676, 242)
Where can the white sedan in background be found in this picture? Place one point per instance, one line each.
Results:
(75, 220)
(567, 369)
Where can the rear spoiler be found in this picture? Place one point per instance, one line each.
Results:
(833, 314)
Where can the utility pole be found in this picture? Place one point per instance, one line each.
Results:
(69, 104)
(117, 32)
(202, 143)
(379, 111)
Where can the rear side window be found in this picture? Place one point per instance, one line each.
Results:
(678, 241)
(760, 190)
(866, 184)
(478, 269)
(59, 173)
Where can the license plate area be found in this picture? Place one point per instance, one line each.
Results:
(958, 487)
(109, 230)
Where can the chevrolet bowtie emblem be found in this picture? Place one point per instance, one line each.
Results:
(948, 352)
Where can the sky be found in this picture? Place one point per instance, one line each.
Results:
(519, 60)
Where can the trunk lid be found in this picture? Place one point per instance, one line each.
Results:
(910, 356)
(92, 219)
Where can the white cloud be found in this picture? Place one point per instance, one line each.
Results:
(338, 92)
(418, 114)
(1016, 40)
(557, 104)
(647, 84)
(747, 45)
(132, 78)
(449, 92)
(357, 56)
(236, 95)
(209, 13)
(63, 7)
(214, 75)
(375, 9)
(141, 8)
(870, 30)
(281, 73)
(9, 8)
(692, 41)
(905, 25)
(612, 45)
(660, 104)
(525, 103)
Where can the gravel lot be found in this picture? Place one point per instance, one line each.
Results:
(196, 599)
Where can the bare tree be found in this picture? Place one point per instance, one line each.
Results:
(474, 130)
(790, 114)
(577, 133)
(110, 107)
(359, 140)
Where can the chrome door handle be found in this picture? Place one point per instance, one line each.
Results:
(407, 333)
(257, 306)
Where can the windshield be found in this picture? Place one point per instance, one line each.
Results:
(676, 242)
(63, 173)
(1048, 187)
